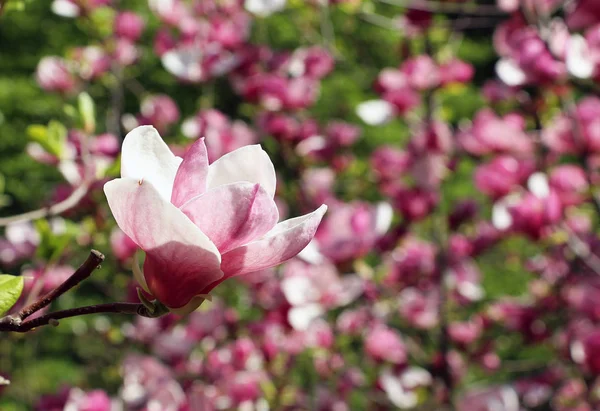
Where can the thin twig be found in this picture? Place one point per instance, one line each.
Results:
(84, 271)
(52, 318)
(327, 30)
(450, 8)
(583, 251)
(117, 97)
(55, 209)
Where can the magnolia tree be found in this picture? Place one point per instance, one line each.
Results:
(403, 190)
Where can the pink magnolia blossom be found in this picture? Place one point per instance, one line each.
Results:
(418, 308)
(582, 14)
(125, 52)
(385, 344)
(421, 72)
(570, 183)
(312, 289)
(456, 71)
(52, 74)
(201, 224)
(19, 243)
(92, 62)
(129, 25)
(500, 176)
(160, 111)
(96, 400)
(222, 135)
(390, 162)
(578, 133)
(492, 134)
(352, 229)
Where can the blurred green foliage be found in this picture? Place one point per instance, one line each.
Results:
(27, 33)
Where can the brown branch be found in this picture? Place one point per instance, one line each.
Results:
(450, 8)
(84, 271)
(52, 318)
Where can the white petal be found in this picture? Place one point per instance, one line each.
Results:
(146, 157)
(383, 217)
(396, 393)
(298, 290)
(537, 183)
(184, 63)
(65, 8)
(249, 163)
(151, 221)
(311, 253)
(510, 73)
(70, 171)
(578, 59)
(301, 317)
(375, 112)
(501, 218)
(264, 7)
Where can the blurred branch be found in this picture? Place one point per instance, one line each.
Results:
(451, 8)
(327, 30)
(458, 24)
(55, 209)
(114, 113)
(68, 203)
(582, 250)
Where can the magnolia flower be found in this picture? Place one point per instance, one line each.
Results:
(200, 224)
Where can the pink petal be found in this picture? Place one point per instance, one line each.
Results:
(233, 214)
(190, 180)
(249, 163)
(180, 259)
(283, 242)
(145, 156)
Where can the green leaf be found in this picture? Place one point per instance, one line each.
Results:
(11, 288)
(87, 111)
(51, 138)
(57, 135)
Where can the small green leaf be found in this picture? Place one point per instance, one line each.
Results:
(87, 111)
(47, 137)
(57, 136)
(11, 288)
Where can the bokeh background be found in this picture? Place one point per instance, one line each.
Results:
(455, 143)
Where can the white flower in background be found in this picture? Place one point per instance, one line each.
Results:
(510, 73)
(579, 63)
(375, 112)
(264, 8)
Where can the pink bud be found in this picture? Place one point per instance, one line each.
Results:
(421, 72)
(390, 162)
(129, 25)
(456, 71)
